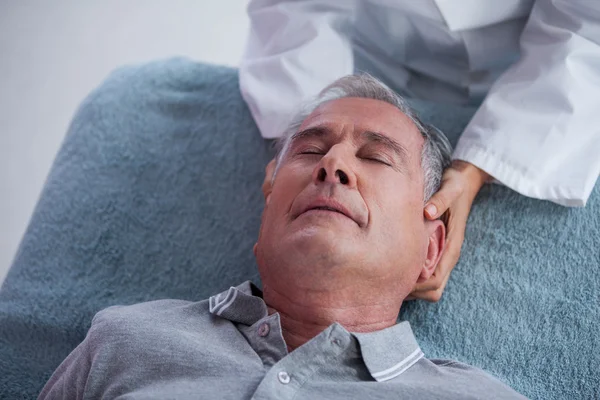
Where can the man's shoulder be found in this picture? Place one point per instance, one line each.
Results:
(458, 368)
(152, 306)
(462, 375)
(151, 314)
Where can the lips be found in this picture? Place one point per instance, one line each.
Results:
(326, 209)
(328, 204)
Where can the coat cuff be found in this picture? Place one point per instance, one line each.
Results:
(508, 174)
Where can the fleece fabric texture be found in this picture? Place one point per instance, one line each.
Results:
(155, 194)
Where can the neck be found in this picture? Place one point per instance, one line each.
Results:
(305, 313)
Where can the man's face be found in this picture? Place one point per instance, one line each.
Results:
(347, 200)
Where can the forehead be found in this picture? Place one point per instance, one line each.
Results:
(358, 115)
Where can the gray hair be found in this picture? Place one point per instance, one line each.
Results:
(436, 153)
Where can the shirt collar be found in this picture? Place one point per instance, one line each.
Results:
(387, 353)
(242, 304)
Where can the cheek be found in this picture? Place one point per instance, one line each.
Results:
(289, 182)
(398, 207)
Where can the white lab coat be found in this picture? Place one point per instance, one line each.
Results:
(538, 128)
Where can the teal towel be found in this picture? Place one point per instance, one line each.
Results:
(155, 194)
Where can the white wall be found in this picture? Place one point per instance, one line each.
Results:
(52, 53)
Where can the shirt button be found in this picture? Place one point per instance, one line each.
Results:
(283, 377)
(337, 342)
(263, 330)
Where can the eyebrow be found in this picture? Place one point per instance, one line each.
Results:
(318, 131)
(372, 137)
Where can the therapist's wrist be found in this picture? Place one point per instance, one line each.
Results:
(475, 175)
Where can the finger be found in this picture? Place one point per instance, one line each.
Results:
(455, 231)
(433, 283)
(443, 199)
(432, 295)
(444, 267)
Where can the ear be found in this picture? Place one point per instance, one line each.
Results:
(436, 232)
(254, 248)
(267, 185)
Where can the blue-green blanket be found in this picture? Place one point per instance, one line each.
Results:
(156, 194)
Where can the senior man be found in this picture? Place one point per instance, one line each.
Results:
(342, 243)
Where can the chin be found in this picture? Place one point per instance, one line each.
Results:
(319, 243)
(320, 235)
(298, 247)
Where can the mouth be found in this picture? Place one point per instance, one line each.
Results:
(328, 206)
(325, 208)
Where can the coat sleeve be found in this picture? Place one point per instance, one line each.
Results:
(294, 49)
(538, 130)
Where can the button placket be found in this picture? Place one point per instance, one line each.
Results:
(284, 377)
(264, 329)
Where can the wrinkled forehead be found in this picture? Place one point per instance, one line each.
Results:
(357, 115)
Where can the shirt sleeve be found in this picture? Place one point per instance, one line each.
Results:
(463, 380)
(294, 49)
(69, 379)
(538, 130)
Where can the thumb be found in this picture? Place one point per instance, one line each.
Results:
(443, 199)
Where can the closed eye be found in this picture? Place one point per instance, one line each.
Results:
(377, 160)
(311, 151)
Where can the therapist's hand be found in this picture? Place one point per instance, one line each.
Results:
(460, 184)
(267, 187)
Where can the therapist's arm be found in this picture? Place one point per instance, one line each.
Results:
(538, 130)
(294, 50)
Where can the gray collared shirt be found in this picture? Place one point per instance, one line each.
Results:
(228, 347)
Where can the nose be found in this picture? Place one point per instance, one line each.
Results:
(333, 168)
